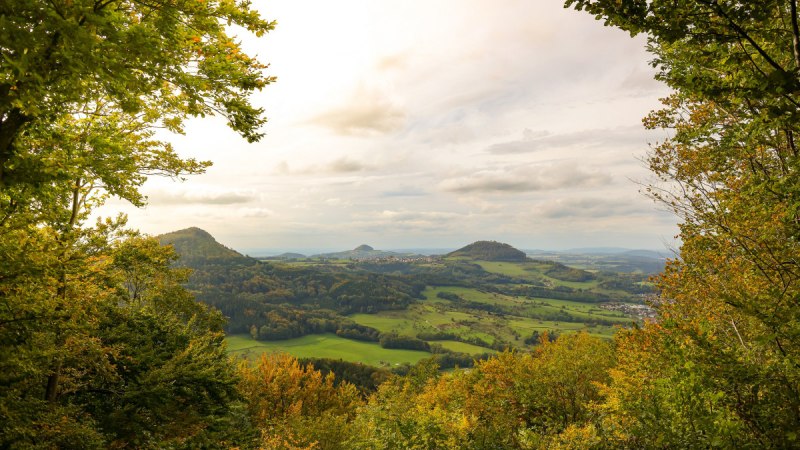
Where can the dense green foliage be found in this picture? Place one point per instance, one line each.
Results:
(721, 368)
(105, 348)
(100, 344)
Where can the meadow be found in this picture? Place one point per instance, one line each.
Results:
(441, 315)
(324, 346)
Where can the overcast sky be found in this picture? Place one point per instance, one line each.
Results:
(432, 123)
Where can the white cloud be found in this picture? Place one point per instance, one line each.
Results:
(343, 165)
(525, 179)
(179, 196)
(619, 137)
(365, 112)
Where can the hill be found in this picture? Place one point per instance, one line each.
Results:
(490, 251)
(361, 252)
(193, 243)
(285, 256)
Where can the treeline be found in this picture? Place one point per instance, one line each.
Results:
(269, 322)
(365, 377)
(281, 302)
(217, 280)
(468, 274)
(557, 293)
(561, 272)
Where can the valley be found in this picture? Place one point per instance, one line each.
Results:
(392, 310)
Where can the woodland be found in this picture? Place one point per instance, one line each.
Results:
(103, 346)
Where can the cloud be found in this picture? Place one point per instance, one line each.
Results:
(594, 208)
(202, 197)
(525, 179)
(341, 165)
(367, 112)
(345, 165)
(416, 216)
(532, 141)
(405, 191)
(255, 212)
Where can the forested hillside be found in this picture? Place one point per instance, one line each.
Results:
(193, 243)
(490, 251)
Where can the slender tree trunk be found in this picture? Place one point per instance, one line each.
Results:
(51, 394)
(795, 35)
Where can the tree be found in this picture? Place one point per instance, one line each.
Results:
(295, 406)
(83, 84)
(93, 321)
(163, 60)
(512, 400)
(728, 317)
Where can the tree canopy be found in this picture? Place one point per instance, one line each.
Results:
(722, 366)
(84, 84)
(100, 345)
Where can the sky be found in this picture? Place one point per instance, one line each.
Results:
(436, 123)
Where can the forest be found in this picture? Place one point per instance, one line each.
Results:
(103, 343)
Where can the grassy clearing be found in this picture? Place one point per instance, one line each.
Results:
(532, 271)
(325, 346)
(462, 347)
(417, 318)
(589, 308)
(526, 327)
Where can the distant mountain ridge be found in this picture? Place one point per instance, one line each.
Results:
(363, 251)
(644, 253)
(287, 255)
(196, 243)
(490, 251)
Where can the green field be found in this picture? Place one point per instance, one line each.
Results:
(528, 307)
(526, 327)
(325, 346)
(462, 347)
(441, 315)
(417, 318)
(532, 271)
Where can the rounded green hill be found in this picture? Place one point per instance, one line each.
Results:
(196, 243)
(490, 251)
